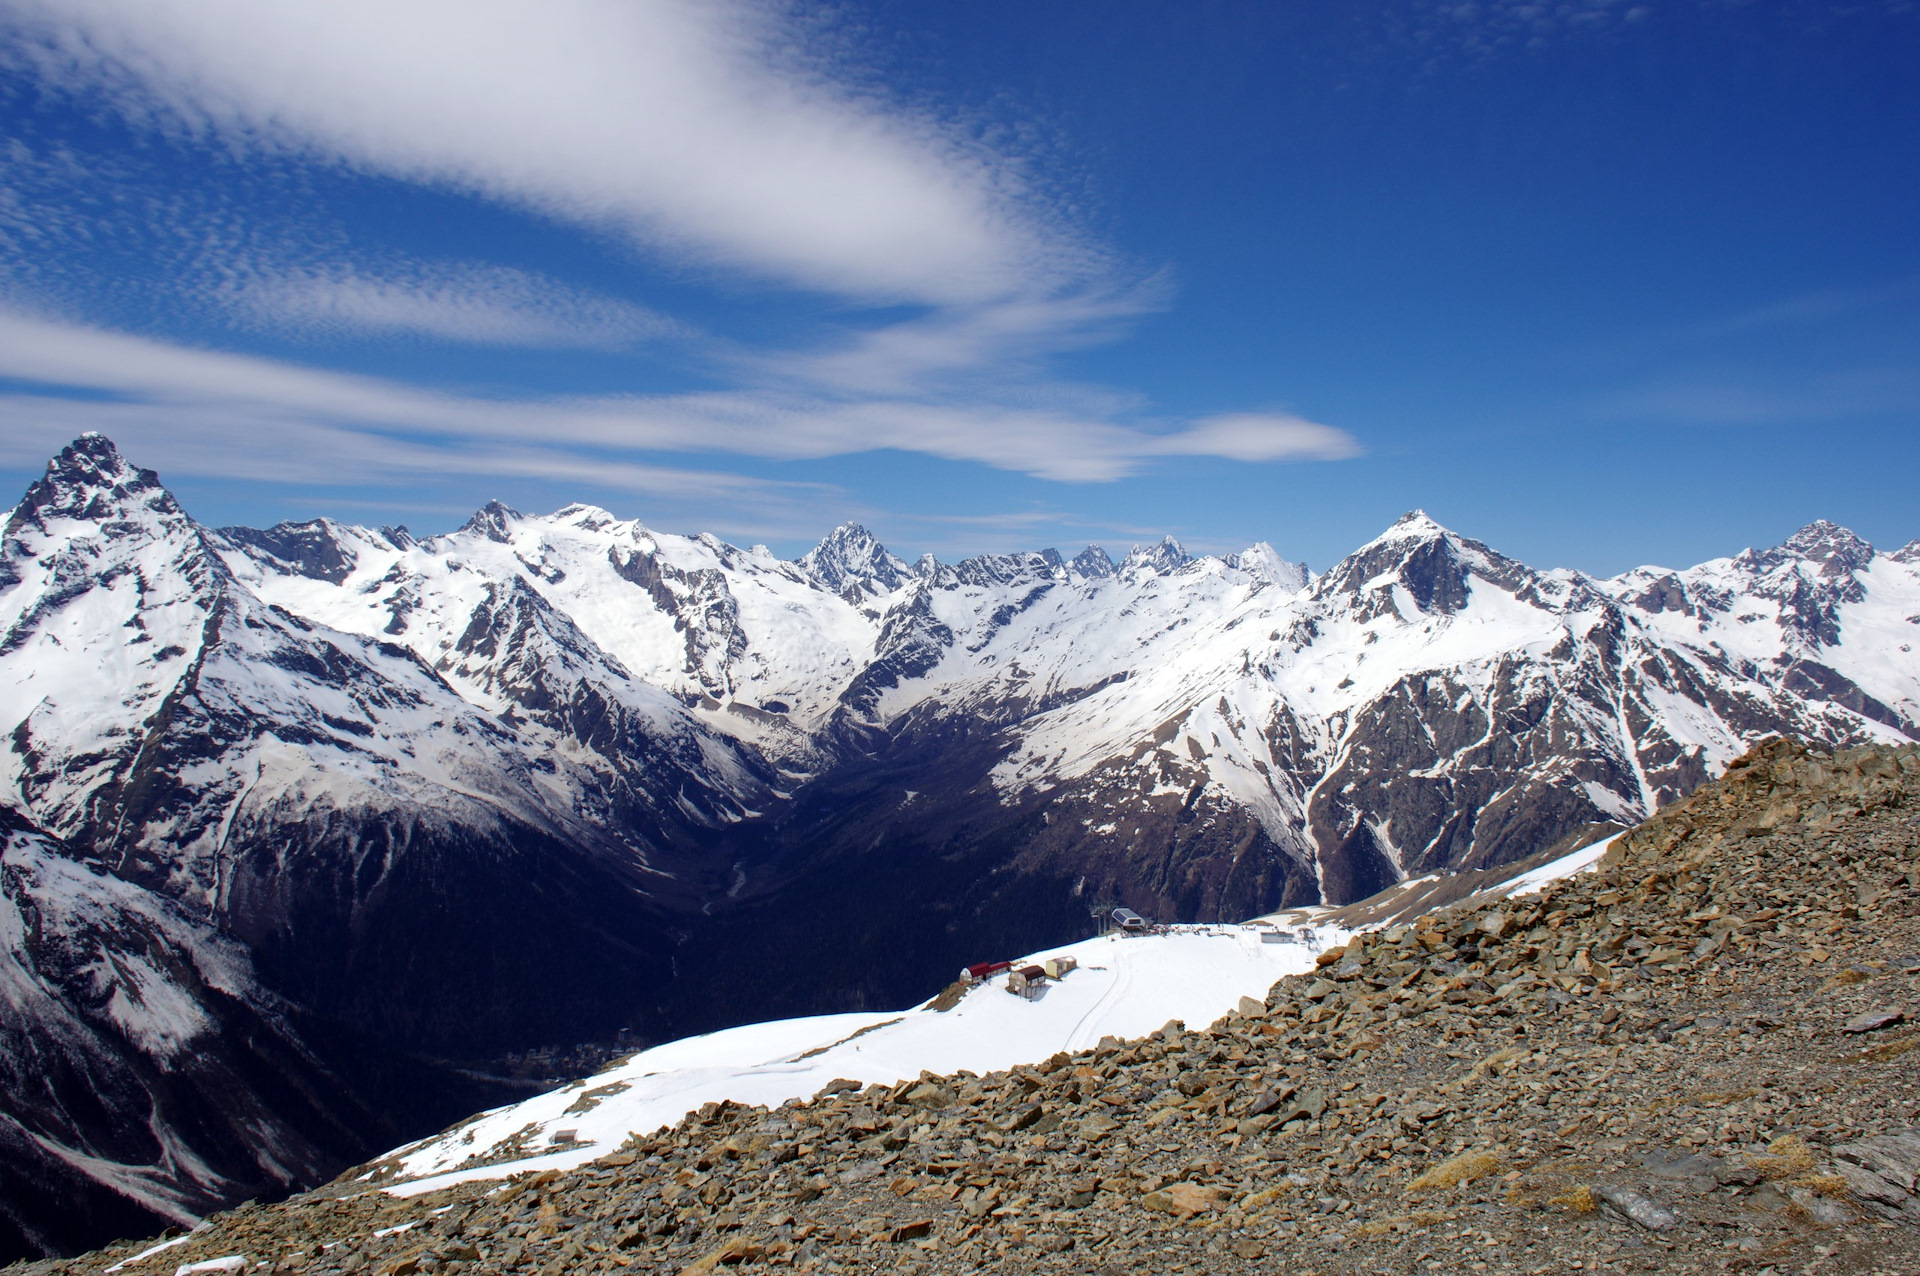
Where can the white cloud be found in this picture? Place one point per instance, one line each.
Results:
(281, 414)
(1259, 436)
(709, 131)
(477, 304)
(696, 126)
(949, 346)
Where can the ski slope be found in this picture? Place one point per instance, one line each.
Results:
(1124, 987)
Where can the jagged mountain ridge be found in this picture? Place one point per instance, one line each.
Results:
(698, 685)
(328, 797)
(547, 777)
(742, 677)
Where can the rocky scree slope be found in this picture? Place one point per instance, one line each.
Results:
(1695, 1059)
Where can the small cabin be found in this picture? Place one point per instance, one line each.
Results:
(1128, 920)
(984, 970)
(1026, 981)
(1056, 967)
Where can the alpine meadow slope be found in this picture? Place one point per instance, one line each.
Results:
(564, 778)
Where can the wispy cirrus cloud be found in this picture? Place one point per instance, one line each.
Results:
(701, 130)
(715, 136)
(162, 251)
(485, 305)
(948, 349)
(269, 403)
(1770, 396)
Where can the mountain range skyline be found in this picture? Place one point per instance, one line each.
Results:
(1086, 563)
(312, 830)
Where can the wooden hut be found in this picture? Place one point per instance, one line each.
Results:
(1026, 981)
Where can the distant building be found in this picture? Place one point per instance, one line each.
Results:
(1131, 922)
(984, 970)
(1026, 981)
(1058, 966)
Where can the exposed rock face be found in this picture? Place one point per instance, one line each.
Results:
(853, 563)
(1643, 1065)
(148, 1075)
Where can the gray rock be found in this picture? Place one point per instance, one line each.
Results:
(1681, 1165)
(929, 1096)
(1873, 1021)
(1309, 1104)
(1870, 1187)
(1269, 1099)
(1823, 1210)
(1893, 1157)
(1643, 1211)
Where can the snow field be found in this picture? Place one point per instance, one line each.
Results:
(1124, 987)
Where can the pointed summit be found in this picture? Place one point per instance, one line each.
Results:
(1432, 564)
(852, 557)
(1263, 561)
(493, 521)
(89, 480)
(1158, 560)
(1091, 563)
(1414, 525)
(1837, 550)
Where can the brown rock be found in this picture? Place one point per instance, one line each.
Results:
(1184, 1199)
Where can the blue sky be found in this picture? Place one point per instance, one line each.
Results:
(1598, 283)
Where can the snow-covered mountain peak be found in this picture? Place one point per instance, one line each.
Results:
(90, 481)
(851, 557)
(1837, 550)
(1802, 583)
(1163, 559)
(1907, 553)
(1092, 563)
(1263, 561)
(494, 520)
(1417, 561)
(319, 549)
(1412, 525)
(590, 518)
